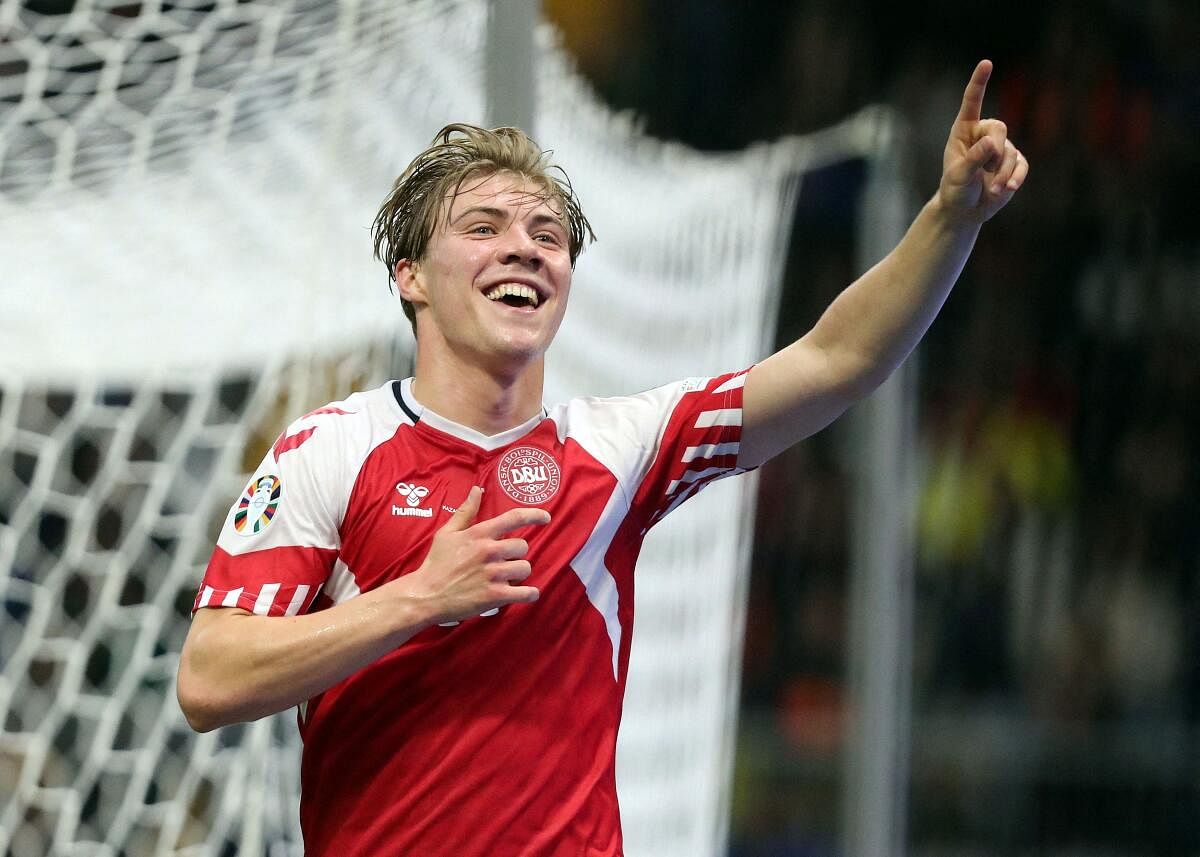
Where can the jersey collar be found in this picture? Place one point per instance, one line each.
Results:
(415, 411)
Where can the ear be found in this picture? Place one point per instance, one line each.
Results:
(410, 285)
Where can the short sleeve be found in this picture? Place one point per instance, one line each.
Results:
(694, 437)
(280, 538)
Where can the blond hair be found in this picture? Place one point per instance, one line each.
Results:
(409, 215)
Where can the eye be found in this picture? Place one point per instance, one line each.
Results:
(482, 229)
(547, 238)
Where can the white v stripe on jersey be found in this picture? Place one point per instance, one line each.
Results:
(709, 450)
(721, 417)
(342, 585)
(598, 581)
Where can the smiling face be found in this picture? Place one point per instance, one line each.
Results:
(492, 286)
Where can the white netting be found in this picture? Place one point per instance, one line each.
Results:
(185, 192)
(205, 185)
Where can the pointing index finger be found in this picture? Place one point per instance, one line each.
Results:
(972, 103)
(514, 519)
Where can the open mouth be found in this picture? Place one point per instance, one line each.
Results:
(516, 295)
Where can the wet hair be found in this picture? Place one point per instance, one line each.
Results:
(410, 213)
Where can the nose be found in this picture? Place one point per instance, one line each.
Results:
(519, 248)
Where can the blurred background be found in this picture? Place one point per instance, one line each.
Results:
(1056, 642)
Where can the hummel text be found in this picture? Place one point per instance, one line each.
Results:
(408, 511)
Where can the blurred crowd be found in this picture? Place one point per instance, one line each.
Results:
(1061, 488)
(1057, 581)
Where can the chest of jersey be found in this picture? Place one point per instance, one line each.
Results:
(412, 485)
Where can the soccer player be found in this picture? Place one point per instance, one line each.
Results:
(439, 573)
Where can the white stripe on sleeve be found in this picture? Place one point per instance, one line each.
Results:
(206, 596)
(709, 450)
(679, 498)
(297, 600)
(231, 597)
(733, 383)
(266, 597)
(721, 417)
(690, 476)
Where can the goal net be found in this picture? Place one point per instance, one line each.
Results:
(185, 194)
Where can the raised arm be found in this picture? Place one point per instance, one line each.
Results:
(237, 666)
(878, 319)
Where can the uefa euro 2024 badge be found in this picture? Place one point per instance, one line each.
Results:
(258, 505)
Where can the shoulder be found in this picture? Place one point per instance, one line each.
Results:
(349, 427)
(626, 433)
(646, 408)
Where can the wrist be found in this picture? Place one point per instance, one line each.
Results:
(406, 609)
(949, 218)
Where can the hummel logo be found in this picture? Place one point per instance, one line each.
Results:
(413, 495)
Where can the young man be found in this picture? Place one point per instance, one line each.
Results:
(439, 572)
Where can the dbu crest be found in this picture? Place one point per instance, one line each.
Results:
(528, 475)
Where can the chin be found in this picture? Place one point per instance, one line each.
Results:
(524, 355)
(508, 352)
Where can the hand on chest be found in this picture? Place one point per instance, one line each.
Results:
(405, 499)
(521, 476)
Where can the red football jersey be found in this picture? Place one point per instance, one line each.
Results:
(497, 735)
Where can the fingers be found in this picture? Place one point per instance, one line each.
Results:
(997, 132)
(1018, 177)
(504, 590)
(1007, 167)
(471, 569)
(972, 103)
(522, 594)
(1004, 161)
(467, 510)
(495, 527)
(513, 571)
(511, 549)
(504, 595)
(506, 576)
(982, 153)
(511, 520)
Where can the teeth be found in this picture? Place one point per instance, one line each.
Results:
(518, 290)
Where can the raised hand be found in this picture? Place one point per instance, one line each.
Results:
(981, 169)
(470, 568)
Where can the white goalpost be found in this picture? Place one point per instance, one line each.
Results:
(185, 195)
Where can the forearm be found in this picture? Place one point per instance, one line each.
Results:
(876, 322)
(858, 342)
(873, 325)
(236, 666)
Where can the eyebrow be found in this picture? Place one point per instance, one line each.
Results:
(499, 214)
(480, 209)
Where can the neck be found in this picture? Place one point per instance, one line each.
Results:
(474, 396)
